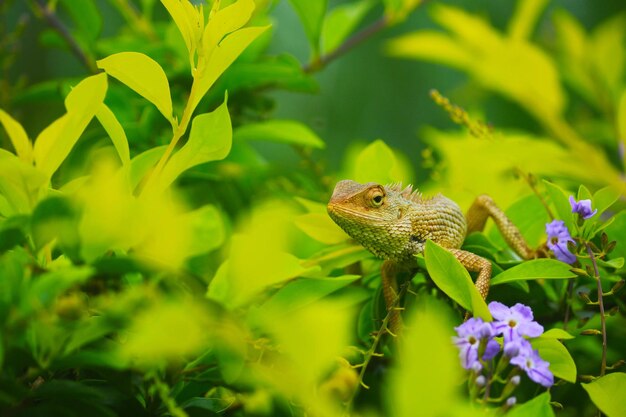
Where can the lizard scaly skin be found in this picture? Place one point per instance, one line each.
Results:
(394, 223)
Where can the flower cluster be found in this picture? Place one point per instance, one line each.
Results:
(559, 235)
(477, 344)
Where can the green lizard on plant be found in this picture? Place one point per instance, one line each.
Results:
(394, 223)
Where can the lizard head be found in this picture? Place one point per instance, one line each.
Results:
(374, 216)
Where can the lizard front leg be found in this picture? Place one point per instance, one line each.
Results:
(389, 273)
(475, 263)
(483, 208)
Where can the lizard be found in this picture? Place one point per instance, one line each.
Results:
(394, 222)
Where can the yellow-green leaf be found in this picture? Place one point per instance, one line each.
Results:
(537, 407)
(425, 377)
(379, 163)
(220, 59)
(143, 75)
(281, 131)
(607, 393)
(56, 141)
(525, 18)
(17, 135)
(320, 227)
(225, 21)
(115, 131)
(187, 19)
(210, 139)
(454, 280)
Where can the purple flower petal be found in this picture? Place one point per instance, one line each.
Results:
(491, 350)
(582, 207)
(498, 310)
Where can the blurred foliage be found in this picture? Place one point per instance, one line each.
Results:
(164, 243)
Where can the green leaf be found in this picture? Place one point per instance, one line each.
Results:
(13, 232)
(280, 131)
(583, 193)
(86, 18)
(621, 122)
(606, 197)
(115, 131)
(561, 363)
(341, 21)
(525, 18)
(48, 286)
(530, 216)
(537, 407)
(305, 291)
(20, 184)
(616, 263)
(210, 139)
(454, 280)
(425, 349)
(250, 269)
(379, 163)
(56, 141)
(311, 15)
(143, 75)
(320, 227)
(222, 56)
(607, 393)
(22, 145)
(557, 334)
(56, 218)
(141, 164)
(560, 201)
(535, 269)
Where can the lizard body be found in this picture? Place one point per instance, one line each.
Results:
(394, 223)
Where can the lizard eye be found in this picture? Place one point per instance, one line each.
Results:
(377, 198)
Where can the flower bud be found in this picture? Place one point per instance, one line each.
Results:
(511, 349)
(477, 367)
(618, 286)
(591, 332)
(510, 402)
(480, 381)
(515, 380)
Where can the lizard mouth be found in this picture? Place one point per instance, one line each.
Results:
(339, 213)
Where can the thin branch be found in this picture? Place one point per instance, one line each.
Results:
(601, 304)
(322, 61)
(52, 19)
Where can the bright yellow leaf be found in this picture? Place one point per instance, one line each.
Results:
(143, 75)
(17, 135)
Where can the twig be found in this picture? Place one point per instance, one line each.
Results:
(372, 350)
(323, 60)
(51, 18)
(601, 304)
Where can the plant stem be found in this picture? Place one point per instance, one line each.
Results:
(323, 60)
(51, 18)
(568, 307)
(372, 350)
(601, 304)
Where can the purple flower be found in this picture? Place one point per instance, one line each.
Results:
(558, 236)
(582, 207)
(470, 335)
(514, 322)
(536, 368)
